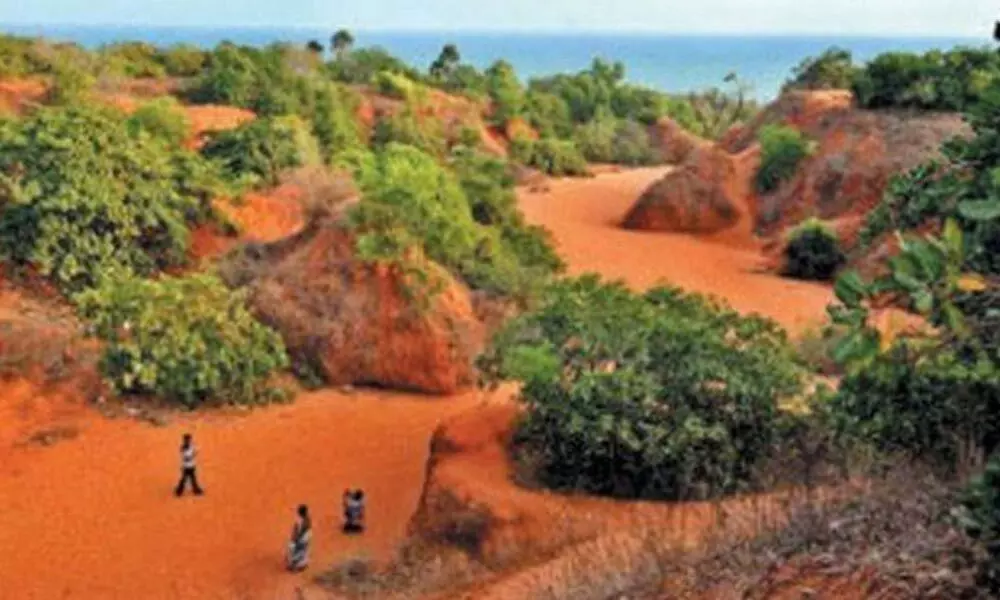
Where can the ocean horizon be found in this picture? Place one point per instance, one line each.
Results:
(672, 62)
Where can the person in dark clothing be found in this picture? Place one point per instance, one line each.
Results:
(298, 548)
(354, 511)
(188, 468)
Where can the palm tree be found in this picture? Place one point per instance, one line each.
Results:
(341, 42)
(314, 47)
(446, 61)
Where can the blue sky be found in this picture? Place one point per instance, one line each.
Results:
(902, 17)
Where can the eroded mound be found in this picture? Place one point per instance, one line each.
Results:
(706, 194)
(357, 322)
(672, 142)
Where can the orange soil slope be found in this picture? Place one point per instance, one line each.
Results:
(583, 216)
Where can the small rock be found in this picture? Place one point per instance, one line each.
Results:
(132, 411)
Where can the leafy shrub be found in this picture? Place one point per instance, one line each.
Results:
(395, 85)
(781, 150)
(362, 65)
(505, 91)
(980, 516)
(332, 115)
(411, 128)
(936, 80)
(410, 201)
(189, 339)
(164, 119)
(552, 156)
(548, 114)
(133, 59)
(70, 85)
(663, 395)
(832, 70)
(184, 60)
(608, 140)
(262, 148)
(813, 251)
(83, 199)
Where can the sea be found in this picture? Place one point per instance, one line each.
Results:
(668, 62)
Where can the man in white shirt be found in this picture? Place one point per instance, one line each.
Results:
(188, 468)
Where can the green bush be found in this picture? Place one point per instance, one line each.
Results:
(333, 120)
(133, 59)
(83, 199)
(188, 339)
(262, 149)
(954, 80)
(609, 140)
(782, 148)
(505, 91)
(412, 129)
(552, 156)
(163, 118)
(548, 114)
(464, 219)
(832, 70)
(663, 395)
(362, 65)
(70, 85)
(184, 60)
(813, 252)
(394, 85)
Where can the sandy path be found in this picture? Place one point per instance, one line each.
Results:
(94, 517)
(583, 215)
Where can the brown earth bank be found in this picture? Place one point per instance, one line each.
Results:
(856, 154)
(358, 323)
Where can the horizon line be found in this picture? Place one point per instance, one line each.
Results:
(511, 31)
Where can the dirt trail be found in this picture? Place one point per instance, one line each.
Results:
(94, 516)
(583, 215)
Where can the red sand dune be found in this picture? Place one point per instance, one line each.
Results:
(93, 517)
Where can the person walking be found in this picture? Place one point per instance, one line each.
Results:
(298, 548)
(188, 473)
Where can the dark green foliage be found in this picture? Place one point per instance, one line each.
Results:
(663, 395)
(781, 150)
(83, 199)
(953, 80)
(832, 70)
(610, 140)
(163, 118)
(184, 60)
(362, 65)
(505, 91)
(813, 252)
(550, 155)
(332, 115)
(980, 517)
(188, 339)
(262, 149)
(548, 114)
(133, 59)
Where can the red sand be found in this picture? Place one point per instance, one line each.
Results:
(583, 215)
(93, 517)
